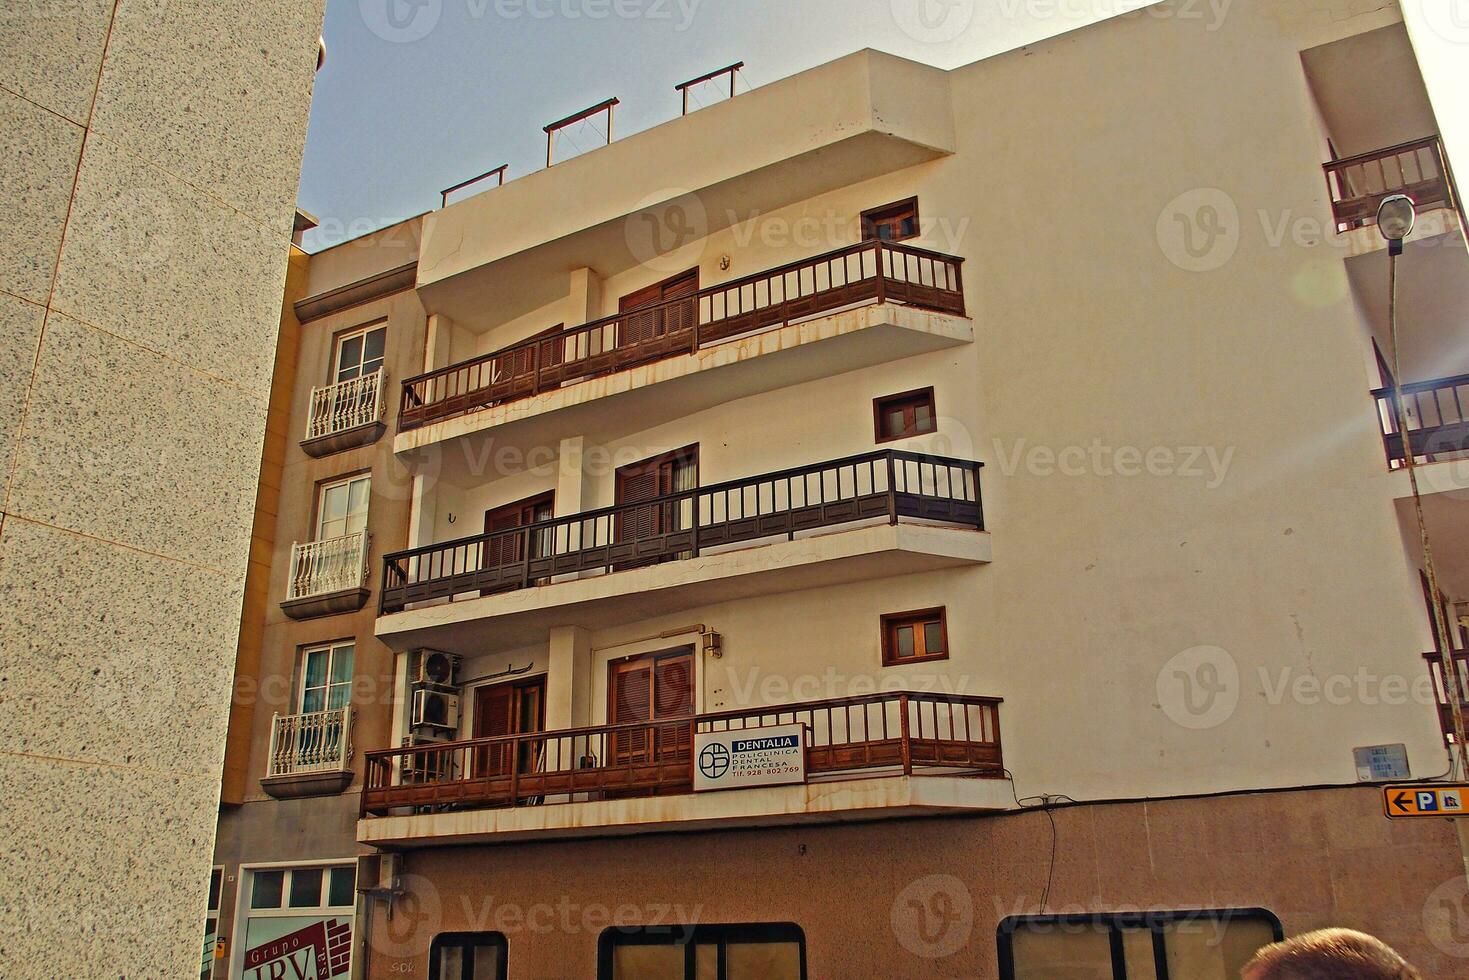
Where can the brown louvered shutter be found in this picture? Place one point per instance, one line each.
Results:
(493, 711)
(632, 700)
(673, 697)
(635, 485)
(680, 316)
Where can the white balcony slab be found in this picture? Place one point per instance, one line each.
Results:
(876, 798)
(486, 624)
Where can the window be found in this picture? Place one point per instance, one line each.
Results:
(775, 951)
(211, 923)
(326, 677)
(359, 353)
(341, 507)
(891, 222)
(300, 919)
(467, 956)
(901, 416)
(1199, 945)
(912, 637)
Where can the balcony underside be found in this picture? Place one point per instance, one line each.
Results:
(504, 622)
(875, 798)
(302, 784)
(651, 394)
(329, 604)
(358, 435)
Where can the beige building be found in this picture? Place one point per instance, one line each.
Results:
(149, 154)
(666, 539)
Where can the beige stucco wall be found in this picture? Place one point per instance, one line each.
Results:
(142, 264)
(1259, 539)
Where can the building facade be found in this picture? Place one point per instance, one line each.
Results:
(894, 522)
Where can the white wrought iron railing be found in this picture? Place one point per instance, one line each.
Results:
(327, 566)
(317, 742)
(345, 405)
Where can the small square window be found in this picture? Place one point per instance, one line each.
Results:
(912, 637)
(905, 415)
(891, 222)
(306, 888)
(343, 888)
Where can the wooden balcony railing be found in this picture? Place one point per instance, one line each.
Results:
(1359, 183)
(894, 732)
(872, 272)
(1437, 422)
(890, 484)
(320, 741)
(1459, 685)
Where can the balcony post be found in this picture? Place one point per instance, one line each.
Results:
(892, 489)
(882, 279)
(907, 747)
(270, 758)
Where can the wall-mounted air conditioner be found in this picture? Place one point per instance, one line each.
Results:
(435, 709)
(436, 669)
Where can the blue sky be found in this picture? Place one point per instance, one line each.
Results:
(417, 95)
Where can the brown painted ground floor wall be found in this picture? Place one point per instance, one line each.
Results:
(1313, 857)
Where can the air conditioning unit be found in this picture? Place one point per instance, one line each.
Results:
(436, 669)
(435, 709)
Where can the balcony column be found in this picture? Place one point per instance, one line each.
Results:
(586, 296)
(439, 343)
(569, 678)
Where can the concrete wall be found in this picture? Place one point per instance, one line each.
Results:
(142, 263)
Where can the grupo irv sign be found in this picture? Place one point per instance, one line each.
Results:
(770, 756)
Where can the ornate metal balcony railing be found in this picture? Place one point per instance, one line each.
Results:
(327, 566)
(317, 742)
(872, 272)
(888, 484)
(1359, 183)
(897, 732)
(346, 405)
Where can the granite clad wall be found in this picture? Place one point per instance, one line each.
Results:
(149, 154)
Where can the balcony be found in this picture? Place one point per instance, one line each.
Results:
(1438, 427)
(872, 756)
(689, 337)
(863, 517)
(344, 415)
(310, 754)
(328, 576)
(1359, 183)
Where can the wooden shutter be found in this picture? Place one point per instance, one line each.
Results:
(641, 329)
(509, 550)
(493, 715)
(673, 697)
(632, 700)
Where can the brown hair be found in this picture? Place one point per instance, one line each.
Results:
(1330, 954)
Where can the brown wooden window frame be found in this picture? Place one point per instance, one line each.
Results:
(892, 622)
(909, 400)
(890, 214)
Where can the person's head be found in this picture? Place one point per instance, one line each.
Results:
(1329, 954)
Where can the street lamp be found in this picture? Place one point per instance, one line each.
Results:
(1395, 217)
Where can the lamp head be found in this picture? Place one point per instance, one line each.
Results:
(1395, 217)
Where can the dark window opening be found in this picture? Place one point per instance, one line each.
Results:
(904, 415)
(891, 222)
(467, 956)
(773, 951)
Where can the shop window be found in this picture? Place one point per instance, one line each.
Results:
(774, 951)
(912, 637)
(1199, 945)
(467, 956)
(300, 921)
(903, 416)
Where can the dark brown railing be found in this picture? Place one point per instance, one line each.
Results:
(872, 272)
(1437, 422)
(896, 732)
(888, 483)
(1359, 183)
(1460, 684)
